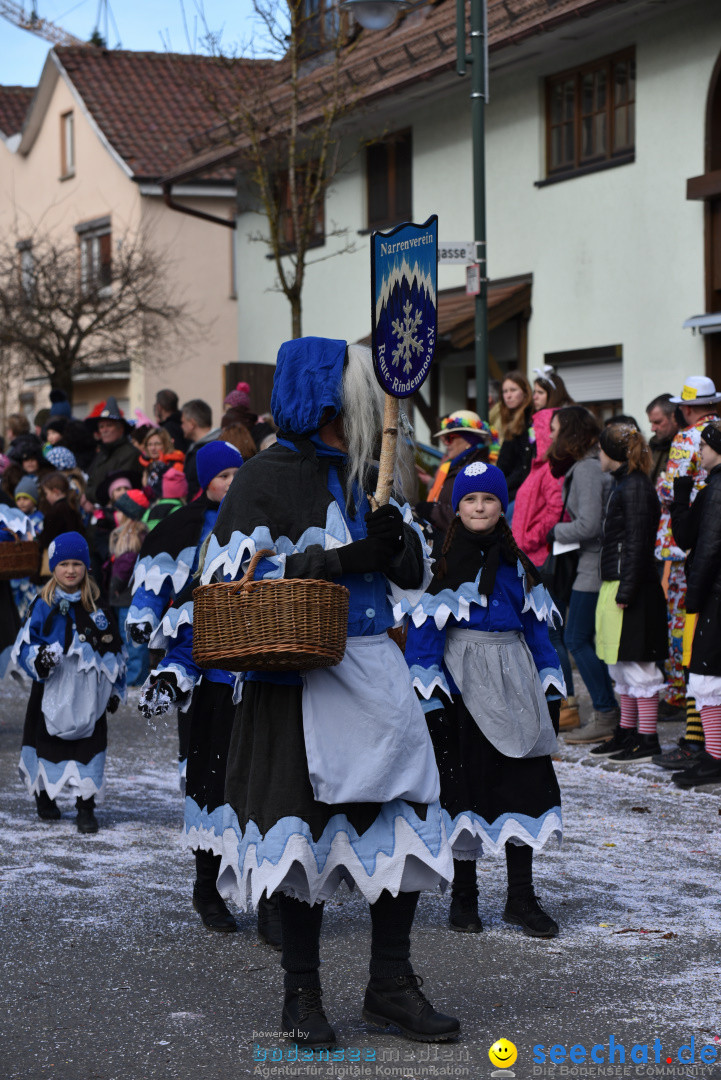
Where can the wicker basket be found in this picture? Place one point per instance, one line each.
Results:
(19, 559)
(286, 624)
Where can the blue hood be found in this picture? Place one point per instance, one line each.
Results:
(308, 380)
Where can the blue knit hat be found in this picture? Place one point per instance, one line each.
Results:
(478, 476)
(214, 458)
(61, 457)
(69, 545)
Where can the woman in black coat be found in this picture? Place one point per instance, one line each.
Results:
(631, 609)
(697, 529)
(519, 446)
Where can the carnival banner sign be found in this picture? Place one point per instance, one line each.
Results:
(404, 288)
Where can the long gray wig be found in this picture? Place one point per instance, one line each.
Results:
(363, 402)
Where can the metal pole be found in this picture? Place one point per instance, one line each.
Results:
(479, 95)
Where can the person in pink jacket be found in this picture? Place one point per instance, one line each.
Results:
(539, 505)
(540, 499)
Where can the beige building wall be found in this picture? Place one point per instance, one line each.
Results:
(34, 196)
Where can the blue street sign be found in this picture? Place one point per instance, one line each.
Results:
(404, 289)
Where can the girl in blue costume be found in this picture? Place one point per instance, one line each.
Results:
(331, 776)
(169, 559)
(480, 656)
(73, 653)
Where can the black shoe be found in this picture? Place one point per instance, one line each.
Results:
(525, 911)
(669, 712)
(639, 749)
(212, 910)
(706, 770)
(678, 757)
(47, 808)
(463, 916)
(304, 1019)
(269, 922)
(400, 1001)
(618, 741)
(86, 819)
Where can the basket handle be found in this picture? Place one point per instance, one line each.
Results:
(247, 579)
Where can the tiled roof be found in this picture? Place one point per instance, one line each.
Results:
(149, 104)
(14, 102)
(419, 47)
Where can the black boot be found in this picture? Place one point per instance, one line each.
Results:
(525, 911)
(304, 1019)
(463, 916)
(401, 1002)
(269, 922)
(619, 741)
(207, 901)
(47, 808)
(86, 820)
(639, 749)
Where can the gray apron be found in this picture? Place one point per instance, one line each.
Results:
(499, 683)
(366, 738)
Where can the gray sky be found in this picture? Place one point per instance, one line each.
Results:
(150, 25)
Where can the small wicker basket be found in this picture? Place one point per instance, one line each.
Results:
(285, 624)
(19, 559)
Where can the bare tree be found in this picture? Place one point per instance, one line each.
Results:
(291, 92)
(66, 313)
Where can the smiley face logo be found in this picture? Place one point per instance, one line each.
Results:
(503, 1053)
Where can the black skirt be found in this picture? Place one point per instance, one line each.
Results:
(209, 726)
(49, 762)
(644, 631)
(489, 798)
(706, 649)
(277, 837)
(267, 777)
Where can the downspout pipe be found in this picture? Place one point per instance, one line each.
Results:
(173, 205)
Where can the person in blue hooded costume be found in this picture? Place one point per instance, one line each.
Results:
(169, 559)
(331, 776)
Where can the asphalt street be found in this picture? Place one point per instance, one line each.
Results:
(108, 974)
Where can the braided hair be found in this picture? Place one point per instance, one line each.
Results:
(442, 565)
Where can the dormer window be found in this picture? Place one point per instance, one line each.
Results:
(67, 145)
(320, 26)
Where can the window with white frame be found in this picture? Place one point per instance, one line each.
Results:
(67, 145)
(96, 263)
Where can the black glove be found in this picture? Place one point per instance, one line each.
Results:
(554, 710)
(365, 556)
(682, 488)
(551, 535)
(158, 696)
(46, 660)
(140, 632)
(386, 523)
(113, 702)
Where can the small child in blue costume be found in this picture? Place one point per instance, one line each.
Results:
(73, 653)
(480, 656)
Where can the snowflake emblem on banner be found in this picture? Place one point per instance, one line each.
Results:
(405, 332)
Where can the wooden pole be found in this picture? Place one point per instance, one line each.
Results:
(388, 452)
